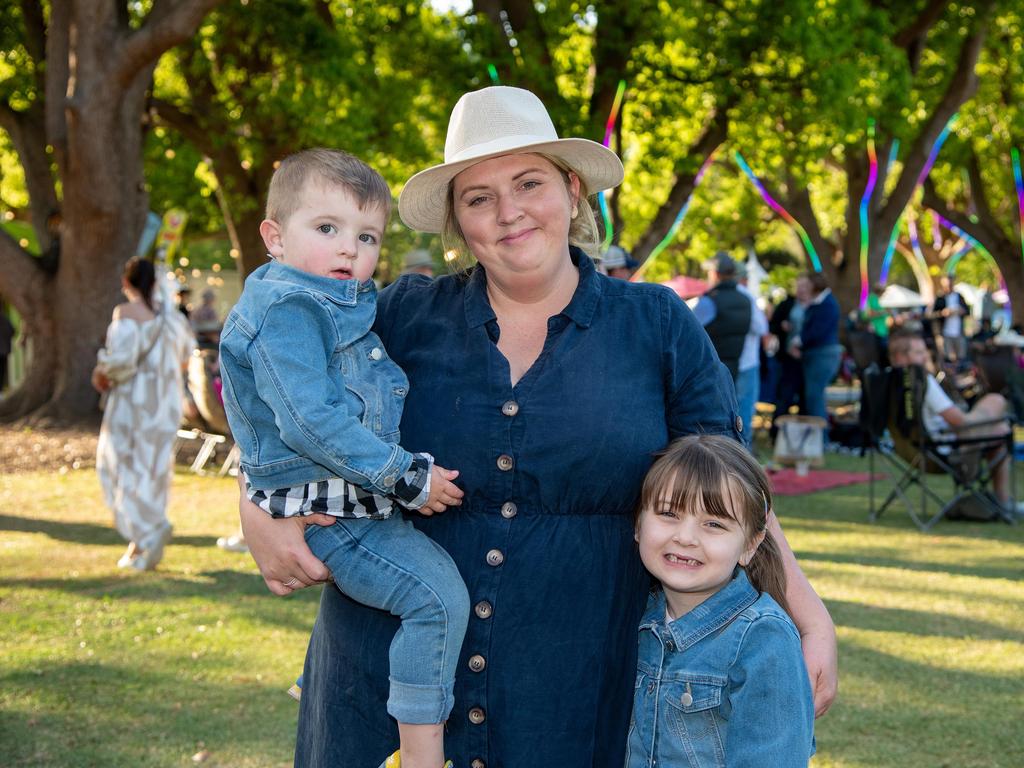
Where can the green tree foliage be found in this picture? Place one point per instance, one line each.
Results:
(263, 80)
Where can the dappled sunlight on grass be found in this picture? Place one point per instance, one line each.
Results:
(104, 667)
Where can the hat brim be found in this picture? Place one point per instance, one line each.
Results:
(421, 203)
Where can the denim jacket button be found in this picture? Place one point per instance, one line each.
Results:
(509, 510)
(495, 558)
(376, 353)
(686, 699)
(505, 462)
(669, 645)
(477, 763)
(510, 408)
(477, 715)
(477, 663)
(739, 424)
(483, 609)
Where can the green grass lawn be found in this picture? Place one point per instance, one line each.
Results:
(107, 668)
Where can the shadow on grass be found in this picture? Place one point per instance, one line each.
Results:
(921, 623)
(85, 533)
(876, 561)
(93, 714)
(154, 585)
(938, 717)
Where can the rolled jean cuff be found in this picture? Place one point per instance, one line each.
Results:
(420, 704)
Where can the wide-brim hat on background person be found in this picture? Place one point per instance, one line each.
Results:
(499, 121)
(416, 258)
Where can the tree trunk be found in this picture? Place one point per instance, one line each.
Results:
(93, 121)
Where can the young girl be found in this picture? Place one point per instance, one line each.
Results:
(720, 676)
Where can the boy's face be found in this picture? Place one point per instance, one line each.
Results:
(328, 235)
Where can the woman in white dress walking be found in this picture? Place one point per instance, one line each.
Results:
(139, 370)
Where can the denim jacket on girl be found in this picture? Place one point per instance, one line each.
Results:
(723, 685)
(309, 391)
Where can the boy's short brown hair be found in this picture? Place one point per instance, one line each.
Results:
(328, 166)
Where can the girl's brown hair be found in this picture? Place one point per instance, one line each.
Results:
(719, 475)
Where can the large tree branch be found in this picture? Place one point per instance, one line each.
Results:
(58, 69)
(168, 24)
(913, 36)
(986, 230)
(35, 40)
(713, 135)
(961, 87)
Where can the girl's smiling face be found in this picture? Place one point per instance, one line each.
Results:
(692, 552)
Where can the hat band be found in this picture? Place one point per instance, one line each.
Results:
(503, 144)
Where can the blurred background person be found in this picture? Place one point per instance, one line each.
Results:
(418, 262)
(139, 370)
(206, 322)
(6, 337)
(817, 345)
(618, 263)
(949, 310)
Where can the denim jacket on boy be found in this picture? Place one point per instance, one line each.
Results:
(723, 685)
(309, 391)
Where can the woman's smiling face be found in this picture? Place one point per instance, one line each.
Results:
(514, 212)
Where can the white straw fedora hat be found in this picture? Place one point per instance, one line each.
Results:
(492, 122)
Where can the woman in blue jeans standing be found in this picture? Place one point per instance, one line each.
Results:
(818, 347)
(518, 368)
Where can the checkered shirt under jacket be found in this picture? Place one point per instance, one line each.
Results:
(341, 498)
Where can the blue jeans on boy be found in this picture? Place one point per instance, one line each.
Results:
(388, 564)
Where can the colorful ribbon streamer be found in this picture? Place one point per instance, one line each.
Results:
(682, 211)
(1018, 182)
(609, 128)
(883, 275)
(936, 147)
(940, 219)
(774, 205)
(865, 201)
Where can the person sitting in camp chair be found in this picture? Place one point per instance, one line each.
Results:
(944, 420)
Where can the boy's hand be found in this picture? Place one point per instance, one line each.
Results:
(443, 492)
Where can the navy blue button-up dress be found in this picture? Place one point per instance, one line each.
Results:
(552, 469)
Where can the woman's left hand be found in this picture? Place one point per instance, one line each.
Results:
(100, 382)
(822, 660)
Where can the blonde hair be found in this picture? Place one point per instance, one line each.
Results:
(328, 166)
(718, 475)
(583, 231)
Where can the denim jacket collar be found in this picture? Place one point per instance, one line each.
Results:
(580, 308)
(344, 292)
(708, 617)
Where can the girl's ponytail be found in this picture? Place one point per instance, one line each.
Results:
(766, 572)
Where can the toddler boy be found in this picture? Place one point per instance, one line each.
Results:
(314, 404)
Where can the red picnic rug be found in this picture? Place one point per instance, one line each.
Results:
(786, 482)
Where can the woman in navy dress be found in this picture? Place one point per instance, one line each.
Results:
(549, 386)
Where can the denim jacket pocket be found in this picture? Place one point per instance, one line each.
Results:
(374, 385)
(693, 719)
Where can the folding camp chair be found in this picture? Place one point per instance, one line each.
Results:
(892, 407)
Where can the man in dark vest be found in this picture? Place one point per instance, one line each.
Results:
(725, 312)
